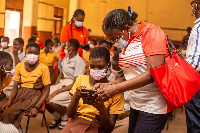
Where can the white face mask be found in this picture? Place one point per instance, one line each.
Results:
(67, 52)
(32, 58)
(78, 24)
(91, 46)
(4, 44)
(121, 43)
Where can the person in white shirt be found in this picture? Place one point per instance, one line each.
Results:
(192, 108)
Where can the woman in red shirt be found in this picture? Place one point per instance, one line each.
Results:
(75, 30)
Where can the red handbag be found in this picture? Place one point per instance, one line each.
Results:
(177, 80)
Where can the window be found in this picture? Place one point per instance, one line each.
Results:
(58, 19)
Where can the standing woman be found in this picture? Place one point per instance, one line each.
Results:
(143, 45)
(76, 30)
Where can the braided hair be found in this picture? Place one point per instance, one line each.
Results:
(100, 52)
(117, 19)
(77, 13)
(5, 57)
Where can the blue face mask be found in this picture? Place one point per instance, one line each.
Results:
(78, 24)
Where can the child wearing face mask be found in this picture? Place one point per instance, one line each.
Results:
(106, 44)
(97, 117)
(4, 45)
(6, 67)
(47, 56)
(72, 66)
(74, 29)
(18, 56)
(32, 76)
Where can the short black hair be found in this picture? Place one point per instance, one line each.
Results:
(100, 52)
(20, 40)
(6, 38)
(47, 41)
(117, 20)
(104, 41)
(79, 12)
(189, 29)
(116, 56)
(5, 57)
(32, 44)
(95, 42)
(75, 43)
(32, 39)
(56, 39)
(0, 38)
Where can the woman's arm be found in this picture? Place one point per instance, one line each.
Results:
(34, 111)
(16, 58)
(13, 92)
(67, 88)
(134, 83)
(60, 76)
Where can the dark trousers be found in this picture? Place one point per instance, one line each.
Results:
(192, 110)
(143, 122)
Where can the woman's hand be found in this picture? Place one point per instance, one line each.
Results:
(106, 92)
(79, 94)
(51, 96)
(99, 86)
(33, 112)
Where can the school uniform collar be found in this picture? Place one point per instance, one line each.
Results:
(42, 51)
(73, 59)
(197, 21)
(75, 28)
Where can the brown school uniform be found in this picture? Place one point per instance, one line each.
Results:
(27, 95)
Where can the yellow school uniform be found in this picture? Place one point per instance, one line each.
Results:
(6, 82)
(115, 104)
(48, 58)
(86, 56)
(34, 78)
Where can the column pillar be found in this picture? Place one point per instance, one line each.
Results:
(2, 16)
(30, 14)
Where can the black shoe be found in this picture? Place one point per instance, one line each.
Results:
(54, 125)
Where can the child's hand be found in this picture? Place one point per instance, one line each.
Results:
(99, 105)
(79, 94)
(51, 96)
(6, 106)
(33, 112)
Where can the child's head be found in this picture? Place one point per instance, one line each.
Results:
(32, 40)
(32, 53)
(18, 43)
(4, 42)
(72, 46)
(92, 44)
(99, 62)
(48, 44)
(6, 63)
(105, 44)
(55, 41)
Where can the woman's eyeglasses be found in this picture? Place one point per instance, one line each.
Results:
(116, 39)
(192, 3)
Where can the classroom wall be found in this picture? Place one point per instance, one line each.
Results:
(2, 16)
(173, 16)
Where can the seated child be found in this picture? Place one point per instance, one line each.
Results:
(4, 45)
(18, 56)
(95, 117)
(72, 66)
(32, 76)
(6, 65)
(56, 44)
(47, 56)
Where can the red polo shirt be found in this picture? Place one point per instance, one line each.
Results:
(81, 34)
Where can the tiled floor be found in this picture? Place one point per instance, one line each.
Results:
(177, 125)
